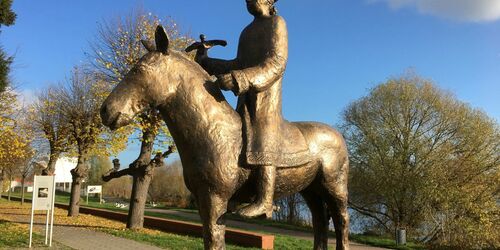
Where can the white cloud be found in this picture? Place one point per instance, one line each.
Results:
(462, 10)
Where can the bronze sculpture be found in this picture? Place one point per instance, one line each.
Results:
(209, 138)
(203, 45)
(256, 76)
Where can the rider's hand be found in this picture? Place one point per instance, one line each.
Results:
(225, 82)
(201, 54)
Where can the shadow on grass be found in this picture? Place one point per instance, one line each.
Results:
(3, 213)
(65, 225)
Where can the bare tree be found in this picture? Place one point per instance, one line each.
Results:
(291, 209)
(26, 171)
(16, 167)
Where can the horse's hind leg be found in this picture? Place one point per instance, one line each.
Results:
(212, 209)
(320, 218)
(340, 216)
(336, 199)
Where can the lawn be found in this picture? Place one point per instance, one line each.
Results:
(281, 242)
(384, 242)
(14, 235)
(149, 236)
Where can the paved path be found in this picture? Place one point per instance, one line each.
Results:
(84, 239)
(268, 229)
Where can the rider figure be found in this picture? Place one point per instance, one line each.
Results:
(255, 76)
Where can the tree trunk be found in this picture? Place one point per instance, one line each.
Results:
(142, 171)
(51, 165)
(78, 175)
(291, 210)
(135, 218)
(10, 187)
(22, 191)
(2, 176)
(74, 200)
(141, 180)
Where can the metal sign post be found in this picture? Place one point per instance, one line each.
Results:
(43, 199)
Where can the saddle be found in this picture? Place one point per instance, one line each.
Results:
(293, 150)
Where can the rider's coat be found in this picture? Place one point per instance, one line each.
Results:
(257, 74)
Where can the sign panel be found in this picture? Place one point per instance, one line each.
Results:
(43, 199)
(43, 191)
(94, 189)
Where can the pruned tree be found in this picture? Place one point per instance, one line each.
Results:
(80, 101)
(51, 124)
(422, 160)
(117, 48)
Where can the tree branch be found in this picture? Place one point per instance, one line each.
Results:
(117, 174)
(157, 161)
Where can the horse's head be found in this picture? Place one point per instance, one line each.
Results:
(147, 85)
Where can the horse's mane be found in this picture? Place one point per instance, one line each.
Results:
(209, 81)
(194, 65)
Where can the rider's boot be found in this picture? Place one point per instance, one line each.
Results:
(265, 192)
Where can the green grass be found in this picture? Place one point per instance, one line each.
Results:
(379, 241)
(168, 241)
(272, 223)
(172, 241)
(14, 237)
(288, 242)
(184, 242)
(281, 242)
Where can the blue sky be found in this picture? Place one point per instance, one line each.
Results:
(339, 49)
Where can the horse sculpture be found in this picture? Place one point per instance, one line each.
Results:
(207, 132)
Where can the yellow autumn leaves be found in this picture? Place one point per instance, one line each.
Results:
(15, 137)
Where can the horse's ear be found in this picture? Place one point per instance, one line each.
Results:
(161, 39)
(150, 47)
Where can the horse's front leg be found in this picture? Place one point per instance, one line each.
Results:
(212, 209)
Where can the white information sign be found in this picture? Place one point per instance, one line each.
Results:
(94, 189)
(43, 191)
(43, 199)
